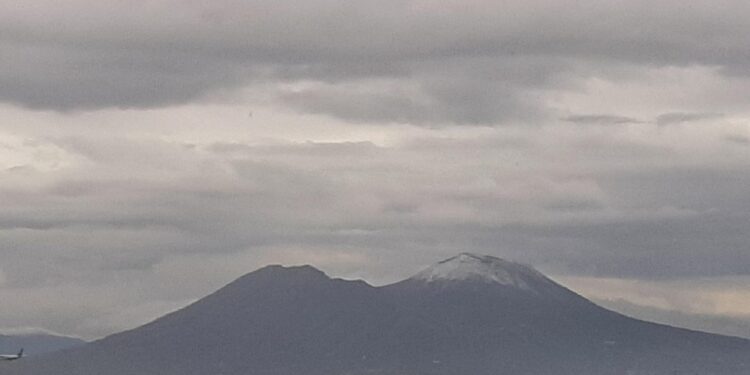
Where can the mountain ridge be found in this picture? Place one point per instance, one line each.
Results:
(296, 320)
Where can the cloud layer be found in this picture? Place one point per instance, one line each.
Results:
(406, 61)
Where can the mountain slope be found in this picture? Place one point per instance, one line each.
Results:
(467, 315)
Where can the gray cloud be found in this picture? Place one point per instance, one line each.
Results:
(681, 117)
(601, 119)
(487, 63)
(737, 139)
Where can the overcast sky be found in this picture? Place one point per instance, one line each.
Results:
(153, 151)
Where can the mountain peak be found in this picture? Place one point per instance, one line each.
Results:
(284, 321)
(485, 268)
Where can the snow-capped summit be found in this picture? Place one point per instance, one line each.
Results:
(484, 268)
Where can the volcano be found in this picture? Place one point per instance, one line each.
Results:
(467, 315)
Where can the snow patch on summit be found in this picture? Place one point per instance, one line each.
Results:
(484, 268)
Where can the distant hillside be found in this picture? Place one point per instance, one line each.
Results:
(36, 344)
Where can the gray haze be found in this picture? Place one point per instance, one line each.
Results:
(605, 142)
(37, 344)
